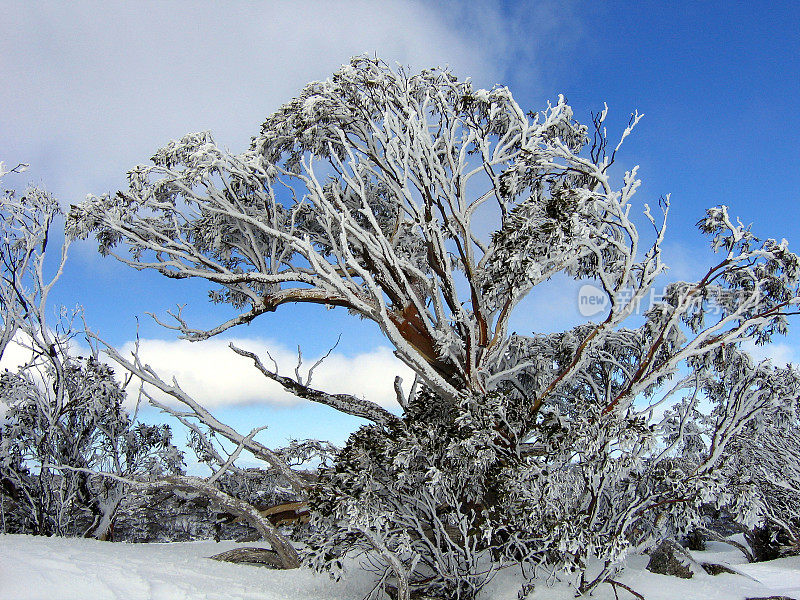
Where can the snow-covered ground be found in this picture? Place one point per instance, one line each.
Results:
(33, 568)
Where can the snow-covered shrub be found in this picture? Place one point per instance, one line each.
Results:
(414, 496)
(761, 470)
(61, 416)
(50, 447)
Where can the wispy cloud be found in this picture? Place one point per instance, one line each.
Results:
(89, 90)
(778, 353)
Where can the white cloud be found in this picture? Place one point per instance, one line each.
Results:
(780, 354)
(89, 90)
(15, 354)
(20, 353)
(215, 376)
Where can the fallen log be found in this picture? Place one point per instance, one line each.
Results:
(263, 557)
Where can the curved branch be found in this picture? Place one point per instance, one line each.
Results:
(345, 403)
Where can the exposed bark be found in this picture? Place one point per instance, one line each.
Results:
(254, 556)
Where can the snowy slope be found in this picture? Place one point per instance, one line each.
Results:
(34, 568)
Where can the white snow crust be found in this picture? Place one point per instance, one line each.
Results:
(39, 568)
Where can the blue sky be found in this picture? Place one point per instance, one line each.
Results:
(91, 89)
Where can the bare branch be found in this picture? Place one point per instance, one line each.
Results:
(148, 375)
(345, 403)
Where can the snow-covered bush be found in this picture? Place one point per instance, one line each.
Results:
(49, 450)
(374, 191)
(761, 464)
(416, 497)
(61, 416)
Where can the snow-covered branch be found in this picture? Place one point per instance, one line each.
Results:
(148, 375)
(342, 402)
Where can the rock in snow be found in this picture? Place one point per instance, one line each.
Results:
(670, 558)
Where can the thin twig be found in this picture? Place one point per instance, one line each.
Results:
(614, 583)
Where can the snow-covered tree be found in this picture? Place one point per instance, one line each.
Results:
(761, 464)
(433, 208)
(62, 415)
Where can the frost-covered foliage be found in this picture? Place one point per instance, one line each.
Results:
(416, 494)
(42, 441)
(761, 471)
(374, 191)
(62, 415)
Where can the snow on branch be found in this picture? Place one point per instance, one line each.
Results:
(149, 376)
(363, 193)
